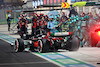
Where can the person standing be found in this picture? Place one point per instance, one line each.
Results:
(90, 16)
(9, 21)
(50, 24)
(57, 21)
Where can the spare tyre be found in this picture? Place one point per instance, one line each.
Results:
(43, 45)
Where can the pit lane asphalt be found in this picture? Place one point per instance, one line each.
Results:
(8, 58)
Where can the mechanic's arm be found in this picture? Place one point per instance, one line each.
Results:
(59, 24)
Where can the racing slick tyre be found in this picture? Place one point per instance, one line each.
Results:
(74, 45)
(40, 45)
(43, 46)
(19, 45)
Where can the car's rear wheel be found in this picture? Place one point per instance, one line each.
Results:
(40, 45)
(19, 45)
(74, 45)
(43, 45)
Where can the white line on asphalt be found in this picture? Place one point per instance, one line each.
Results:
(5, 40)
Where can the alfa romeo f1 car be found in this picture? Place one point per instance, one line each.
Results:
(48, 42)
(44, 42)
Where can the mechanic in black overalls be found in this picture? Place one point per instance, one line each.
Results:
(23, 26)
(8, 21)
(35, 25)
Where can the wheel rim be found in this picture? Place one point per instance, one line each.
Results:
(39, 46)
(16, 46)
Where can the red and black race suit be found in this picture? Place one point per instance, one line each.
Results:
(22, 26)
(35, 27)
(43, 26)
(38, 25)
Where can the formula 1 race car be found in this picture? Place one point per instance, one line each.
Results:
(49, 42)
(44, 42)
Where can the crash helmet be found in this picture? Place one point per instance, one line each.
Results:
(86, 17)
(57, 16)
(45, 16)
(9, 15)
(83, 14)
(82, 18)
(41, 14)
(63, 14)
(77, 17)
(35, 14)
(72, 21)
(95, 18)
(51, 16)
(32, 14)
